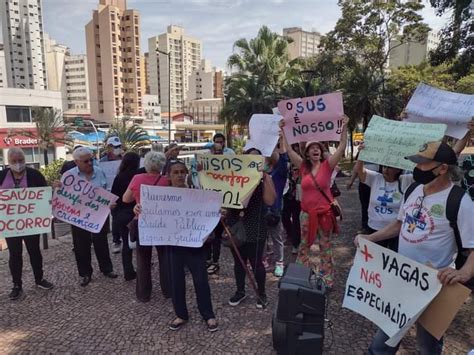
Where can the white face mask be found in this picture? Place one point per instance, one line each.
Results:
(117, 151)
(18, 167)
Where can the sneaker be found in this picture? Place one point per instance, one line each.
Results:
(262, 302)
(212, 269)
(294, 251)
(45, 285)
(15, 293)
(236, 299)
(278, 272)
(212, 325)
(116, 248)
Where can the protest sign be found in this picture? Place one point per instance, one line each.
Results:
(110, 169)
(389, 289)
(177, 216)
(388, 142)
(432, 105)
(313, 118)
(25, 211)
(264, 133)
(234, 176)
(82, 204)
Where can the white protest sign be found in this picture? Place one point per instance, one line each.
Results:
(263, 130)
(110, 169)
(177, 216)
(432, 105)
(389, 289)
(82, 204)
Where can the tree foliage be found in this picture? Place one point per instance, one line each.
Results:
(133, 137)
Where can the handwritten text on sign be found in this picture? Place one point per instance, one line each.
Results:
(177, 216)
(25, 211)
(432, 105)
(234, 176)
(264, 131)
(388, 142)
(313, 118)
(389, 289)
(82, 204)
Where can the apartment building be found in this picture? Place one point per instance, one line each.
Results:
(22, 29)
(113, 61)
(185, 54)
(3, 69)
(77, 85)
(305, 43)
(412, 52)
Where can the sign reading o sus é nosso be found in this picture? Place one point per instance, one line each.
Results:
(313, 118)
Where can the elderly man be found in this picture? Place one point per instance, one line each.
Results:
(17, 175)
(83, 239)
(425, 232)
(114, 150)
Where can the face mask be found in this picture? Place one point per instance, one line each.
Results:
(117, 151)
(424, 176)
(18, 168)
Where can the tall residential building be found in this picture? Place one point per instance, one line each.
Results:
(77, 86)
(305, 43)
(147, 74)
(55, 55)
(22, 25)
(113, 60)
(413, 52)
(185, 55)
(3, 69)
(205, 82)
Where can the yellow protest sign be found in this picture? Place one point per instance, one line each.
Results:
(235, 176)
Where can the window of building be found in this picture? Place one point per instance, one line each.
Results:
(18, 113)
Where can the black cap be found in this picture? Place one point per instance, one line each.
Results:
(435, 151)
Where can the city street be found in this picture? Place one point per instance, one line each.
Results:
(105, 317)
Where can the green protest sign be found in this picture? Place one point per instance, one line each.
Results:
(388, 142)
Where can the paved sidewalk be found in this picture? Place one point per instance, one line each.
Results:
(105, 317)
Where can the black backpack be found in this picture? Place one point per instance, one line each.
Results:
(452, 208)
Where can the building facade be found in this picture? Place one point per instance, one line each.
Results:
(205, 82)
(114, 64)
(205, 111)
(55, 55)
(15, 118)
(412, 52)
(185, 54)
(305, 43)
(22, 27)
(77, 86)
(3, 69)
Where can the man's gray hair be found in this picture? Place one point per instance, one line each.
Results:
(15, 150)
(154, 162)
(80, 152)
(454, 173)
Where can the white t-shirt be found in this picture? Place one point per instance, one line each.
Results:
(428, 237)
(385, 198)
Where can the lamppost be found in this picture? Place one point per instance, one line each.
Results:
(169, 92)
(307, 76)
(96, 137)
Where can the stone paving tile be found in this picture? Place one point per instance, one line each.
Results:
(105, 318)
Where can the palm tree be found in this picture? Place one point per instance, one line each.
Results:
(50, 129)
(133, 137)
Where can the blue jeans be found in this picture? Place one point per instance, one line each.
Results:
(427, 343)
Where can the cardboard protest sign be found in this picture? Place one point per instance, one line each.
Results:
(25, 211)
(82, 204)
(389, 289)
(110, 169)
(234, 176)
(432, 105)
(313, 118)
(388, 142)
(177, 216)
(264, 133)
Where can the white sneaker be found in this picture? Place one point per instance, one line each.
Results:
(116, 248)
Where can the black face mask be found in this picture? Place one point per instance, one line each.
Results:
(424, 176)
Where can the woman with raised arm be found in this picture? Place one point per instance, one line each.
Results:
(317, 217)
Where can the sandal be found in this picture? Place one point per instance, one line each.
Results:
(177, 324)
(212, 325)
(212, 269)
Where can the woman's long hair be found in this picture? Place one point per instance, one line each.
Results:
(130, 162)
(307, 163)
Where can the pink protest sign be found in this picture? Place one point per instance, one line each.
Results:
(81, 204)
(313, 118)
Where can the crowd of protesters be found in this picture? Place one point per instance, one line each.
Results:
(294, 204)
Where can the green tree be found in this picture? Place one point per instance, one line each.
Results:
(133, 137)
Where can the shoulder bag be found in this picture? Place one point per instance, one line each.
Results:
(334, 206)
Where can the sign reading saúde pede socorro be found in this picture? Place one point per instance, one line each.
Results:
(81, 204)
(25, 211)
(389, 289)
(313, 118)
(234, 176)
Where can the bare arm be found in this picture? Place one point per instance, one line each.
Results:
(295, 158)
(390, 231)
(360, 170)
(449, 276)
(339, 153)
(128, 196)
(269, 194)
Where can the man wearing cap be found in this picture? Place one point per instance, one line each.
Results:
(425, 234)
(82, 239)
(114, 150)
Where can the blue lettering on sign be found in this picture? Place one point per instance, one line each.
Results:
(321, 105)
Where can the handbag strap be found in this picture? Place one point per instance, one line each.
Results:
(319, 188)
(157, 180)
